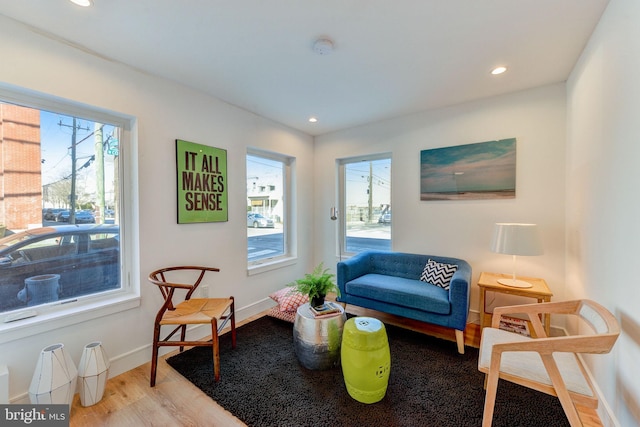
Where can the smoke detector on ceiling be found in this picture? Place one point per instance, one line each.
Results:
(323, 46)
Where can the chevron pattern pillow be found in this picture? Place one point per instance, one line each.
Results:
(438, 273)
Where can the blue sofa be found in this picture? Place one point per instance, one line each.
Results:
(390, 282)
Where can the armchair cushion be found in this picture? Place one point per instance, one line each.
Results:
(528, 364)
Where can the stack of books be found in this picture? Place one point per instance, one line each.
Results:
(515, 324)
(325, 309)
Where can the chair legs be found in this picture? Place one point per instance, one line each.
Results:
(215, 345)
(214, 338)
(183, 336)
(233, 322)
(561, 390)
(154, 354)
(491, 385)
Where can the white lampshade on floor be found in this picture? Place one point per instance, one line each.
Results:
(93, 372)
(54, 379)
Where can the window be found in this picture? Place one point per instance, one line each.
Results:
(58, 265)
(61, 215)
(268, 181)
(365, 199)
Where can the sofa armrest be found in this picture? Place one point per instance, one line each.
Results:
(352, 268)
(459, 294)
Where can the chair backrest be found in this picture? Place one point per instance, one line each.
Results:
(163, 278)
(603, 323)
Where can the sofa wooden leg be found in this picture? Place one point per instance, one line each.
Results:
(460, 341)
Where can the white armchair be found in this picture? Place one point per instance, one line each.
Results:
(546, 364)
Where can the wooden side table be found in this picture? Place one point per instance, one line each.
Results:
(489, 282)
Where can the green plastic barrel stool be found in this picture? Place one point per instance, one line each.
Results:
(366, 360)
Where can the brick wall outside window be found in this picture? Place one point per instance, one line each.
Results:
(20, 167)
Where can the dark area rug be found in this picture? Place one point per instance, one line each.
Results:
(430, 384)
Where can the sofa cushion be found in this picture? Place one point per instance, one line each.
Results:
(438, 273)
(410, 293)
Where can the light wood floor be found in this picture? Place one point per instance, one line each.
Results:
(129, 401)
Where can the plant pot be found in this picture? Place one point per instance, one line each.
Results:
(317, 301)
(42, 289)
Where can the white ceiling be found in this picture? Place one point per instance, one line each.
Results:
(390, 58)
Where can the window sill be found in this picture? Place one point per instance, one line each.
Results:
(271, 265)
(45, 322)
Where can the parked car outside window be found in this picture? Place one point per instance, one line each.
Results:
(81, 217)
(385, 219)
(256, 220)
(85, 217)
(85, 257)
(63, 216)
(51, 213)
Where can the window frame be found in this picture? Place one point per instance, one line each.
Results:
(288, 256)
(342, 197)
(60, 314)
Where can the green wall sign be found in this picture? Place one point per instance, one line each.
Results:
(202, 183)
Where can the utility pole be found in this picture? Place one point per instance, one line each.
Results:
(370, 192)
(116, 174)
(72, 196)
(99, 149)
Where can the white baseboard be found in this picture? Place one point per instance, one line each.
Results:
(4, 384)
(141, 355)
(474, 317)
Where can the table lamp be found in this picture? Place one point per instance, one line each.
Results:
(516, 239)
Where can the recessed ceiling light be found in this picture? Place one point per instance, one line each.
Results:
(323, 46)
(498, 70)
(83, 3)
(313, 119)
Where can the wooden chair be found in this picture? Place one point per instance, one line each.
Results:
(546, 364)
(190, 311)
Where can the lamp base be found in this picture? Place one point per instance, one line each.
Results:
(515, 283)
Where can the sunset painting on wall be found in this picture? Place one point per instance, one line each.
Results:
(484, 170)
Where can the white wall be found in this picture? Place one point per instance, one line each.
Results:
(603, 209)
(164, 111)
(597, 204)
(463, 229)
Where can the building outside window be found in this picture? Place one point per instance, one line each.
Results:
(268, 183)
(60, 210)
(365, 199)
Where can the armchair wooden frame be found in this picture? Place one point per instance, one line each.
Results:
(191, 311)
(546, 364)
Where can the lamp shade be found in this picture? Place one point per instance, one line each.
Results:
(516, 239)
(54, 379)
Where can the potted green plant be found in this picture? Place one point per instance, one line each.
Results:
(316, 285)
